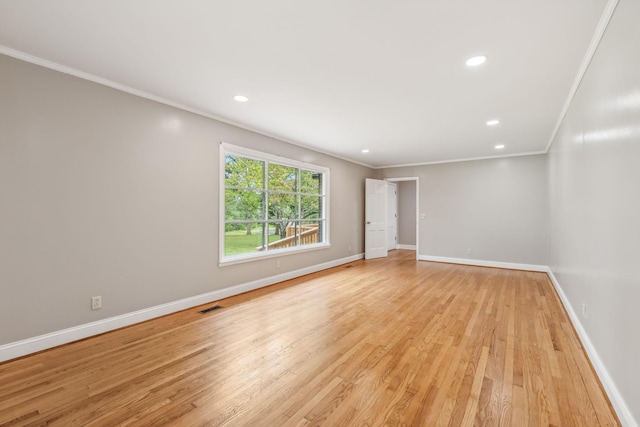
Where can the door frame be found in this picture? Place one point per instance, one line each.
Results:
(417, 180)
(392, 221)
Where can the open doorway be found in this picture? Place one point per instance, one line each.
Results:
(405, 225)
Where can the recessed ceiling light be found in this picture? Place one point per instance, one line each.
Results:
(365, 150)
(241, 98)
(476, 60)
(493, 122)
(499, 147)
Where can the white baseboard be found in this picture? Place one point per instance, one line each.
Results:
(619, 405)
(409, 247)
(483, 263)
(42, 342)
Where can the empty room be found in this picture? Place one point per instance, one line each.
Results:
(412, 213)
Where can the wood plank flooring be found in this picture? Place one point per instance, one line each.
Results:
(380, 342)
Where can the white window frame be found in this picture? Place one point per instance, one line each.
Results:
(225, 149)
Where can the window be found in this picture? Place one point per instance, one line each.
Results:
(270, 205)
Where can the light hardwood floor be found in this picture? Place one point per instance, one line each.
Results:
(380, 342)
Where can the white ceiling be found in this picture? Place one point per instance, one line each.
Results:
(334, 75)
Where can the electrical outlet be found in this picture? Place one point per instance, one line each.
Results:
(96, 303)
(349, 249)
(277, 264)
(584, 310)
(469, 251)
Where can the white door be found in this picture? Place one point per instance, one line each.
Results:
(375, 229)
(392, 216)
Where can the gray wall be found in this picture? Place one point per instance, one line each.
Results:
(406, 212)
(105, 193)
(497, 208)
(594, 178)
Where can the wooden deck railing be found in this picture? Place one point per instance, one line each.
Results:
(307, 234)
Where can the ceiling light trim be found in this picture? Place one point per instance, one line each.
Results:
(584, 66)
(476, 61)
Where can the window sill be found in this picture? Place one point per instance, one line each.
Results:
(241, 259)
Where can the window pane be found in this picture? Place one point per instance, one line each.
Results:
(283, 207)
(243, 204)
(311, 232)
(243, 172)
(286, 234)
(311, 207)
(282, 178)
(310, 182)
(244, 238)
